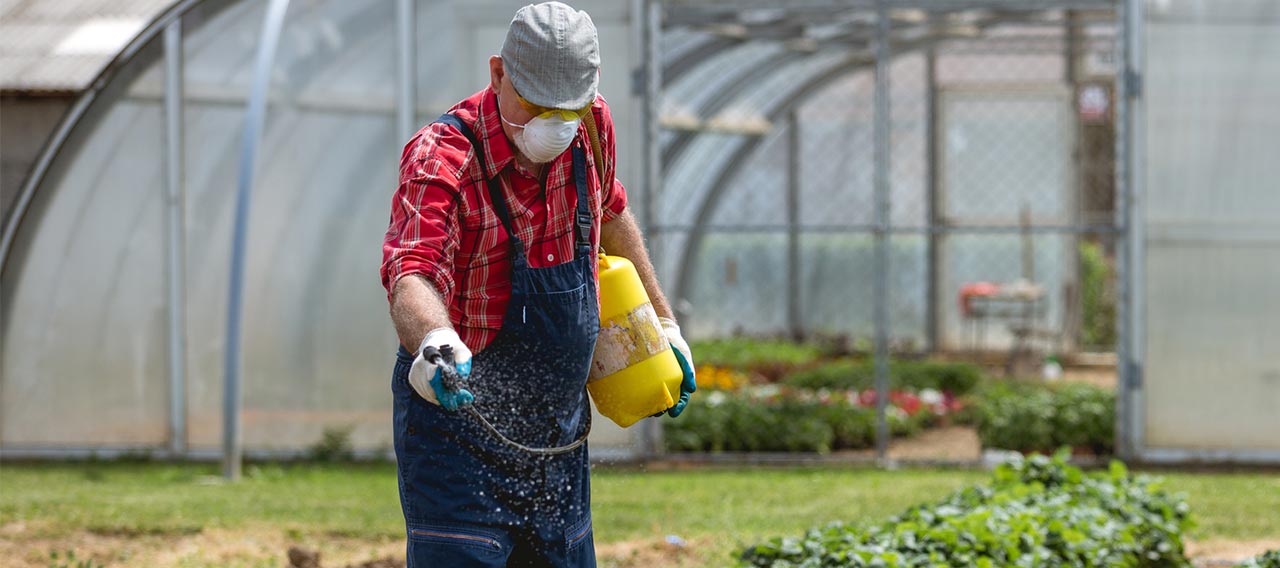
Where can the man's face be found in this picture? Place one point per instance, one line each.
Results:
(508, 104)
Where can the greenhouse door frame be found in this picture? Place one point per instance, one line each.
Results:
(1131, 403)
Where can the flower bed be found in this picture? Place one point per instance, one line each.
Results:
(777, 418)
(1035, 512)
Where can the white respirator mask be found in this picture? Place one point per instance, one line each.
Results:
(546, 136)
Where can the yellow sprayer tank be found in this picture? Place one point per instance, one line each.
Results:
(634, 374)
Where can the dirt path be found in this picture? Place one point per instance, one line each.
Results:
(946, 443)
(23, 546)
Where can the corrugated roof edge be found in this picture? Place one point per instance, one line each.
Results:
(77, 111)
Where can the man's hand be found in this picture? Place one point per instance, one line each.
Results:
(681, 348)
(426, 380)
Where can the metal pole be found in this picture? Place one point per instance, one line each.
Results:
(1073, 316)
(175, 225)
(407, 83)
(653, 91)
(881, 133)
(933, 203)
(1129, 188)
(647, 84)
(793, 225)
(253, 124)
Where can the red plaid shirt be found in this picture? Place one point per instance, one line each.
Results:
(443, 225)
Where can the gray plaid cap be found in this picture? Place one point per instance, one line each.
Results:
(552, 54)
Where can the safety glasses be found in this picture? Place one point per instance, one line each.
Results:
(541, 111)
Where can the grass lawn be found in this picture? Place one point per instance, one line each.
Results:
(716, 510)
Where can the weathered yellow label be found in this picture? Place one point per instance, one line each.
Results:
(626, 340)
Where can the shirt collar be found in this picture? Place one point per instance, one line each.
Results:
(489, 122)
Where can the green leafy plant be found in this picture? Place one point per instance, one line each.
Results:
(1098, 329)
(1038, 511)
(334, 445)
(1269, 559)
(67, 559)
(1029, 417)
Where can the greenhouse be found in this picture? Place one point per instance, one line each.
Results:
(987, 180)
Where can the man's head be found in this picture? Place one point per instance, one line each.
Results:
(550, 60)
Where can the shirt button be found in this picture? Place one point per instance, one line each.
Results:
(551, 258)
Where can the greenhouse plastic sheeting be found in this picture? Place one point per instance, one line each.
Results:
(1212, 369)
(84, 335)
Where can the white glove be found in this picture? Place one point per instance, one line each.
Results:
(678, 343)
(425, 379)
(685, 357)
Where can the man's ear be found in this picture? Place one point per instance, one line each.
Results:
(496, 72)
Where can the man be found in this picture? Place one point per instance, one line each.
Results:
(502, 207)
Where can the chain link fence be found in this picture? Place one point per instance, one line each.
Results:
(1001, 225)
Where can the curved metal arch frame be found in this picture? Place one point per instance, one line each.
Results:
(744, 151)
(81, 108)
(671, 72)
(728, 95)
(747, 148)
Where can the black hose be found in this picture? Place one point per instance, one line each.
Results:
(443, 358)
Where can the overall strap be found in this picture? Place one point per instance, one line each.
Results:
(495, 188)
(583, 215)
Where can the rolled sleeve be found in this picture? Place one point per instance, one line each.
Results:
(423, 235)
(613, 196)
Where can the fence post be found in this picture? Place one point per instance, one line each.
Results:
(881, 288)
(1129, 176)
(933, 203)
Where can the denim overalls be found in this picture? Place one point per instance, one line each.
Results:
(469, 500)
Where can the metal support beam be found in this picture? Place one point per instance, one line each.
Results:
(254, 120)
(406, 70)
(794, 322)
(881, 135)
(175, 243)
(707, 10)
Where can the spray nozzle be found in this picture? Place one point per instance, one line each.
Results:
(443, 357)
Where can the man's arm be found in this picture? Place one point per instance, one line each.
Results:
(621, 237)
(416, 308)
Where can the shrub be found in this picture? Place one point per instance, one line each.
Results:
(1035, 512)
(1269, 559)
(954, 378)
(334, 445)
(1034, 417)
